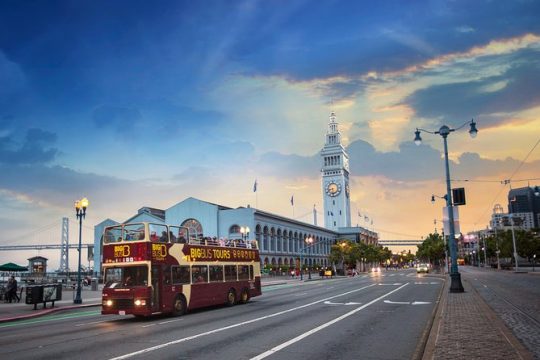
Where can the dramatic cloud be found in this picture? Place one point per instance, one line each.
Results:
(504, 93)
(33, 150)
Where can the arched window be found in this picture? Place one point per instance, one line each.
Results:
(234, 231)
(195, 228)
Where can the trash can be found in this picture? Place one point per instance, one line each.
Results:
(94, 283)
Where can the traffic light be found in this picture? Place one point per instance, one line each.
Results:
(458, 195)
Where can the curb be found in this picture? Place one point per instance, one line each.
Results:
(46, 312)
(426, 347)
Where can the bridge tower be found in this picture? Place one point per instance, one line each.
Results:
(64, 249)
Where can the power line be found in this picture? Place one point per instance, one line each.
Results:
(509, 180)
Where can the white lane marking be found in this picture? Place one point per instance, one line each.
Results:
(392, 275)
(145, 326)
(394, 284)
(420, 303)
(301, 294)
(397, 302)
(178, 341)
(93, 322)
(347, 303)
(319, 328)
(169, 321)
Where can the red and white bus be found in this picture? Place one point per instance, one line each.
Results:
(155, 269)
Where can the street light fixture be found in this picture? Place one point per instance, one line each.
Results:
(308, 240)
(244, 230)
(455, 286)
(80, 210)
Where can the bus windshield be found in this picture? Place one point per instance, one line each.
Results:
(118, 277)
(129, 232)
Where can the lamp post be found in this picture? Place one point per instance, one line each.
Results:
(308, 240)
(516, 268)
(455, 286)
(244, 230)
(80, 210)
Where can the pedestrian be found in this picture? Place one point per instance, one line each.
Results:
(11, 290)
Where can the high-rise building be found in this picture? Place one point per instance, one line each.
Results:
(335, 179)
(523, 200)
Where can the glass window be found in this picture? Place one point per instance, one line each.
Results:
(134, 232)
(118, 277)
(230, 272)
(216, 273)
(113, 234)
(180, 274)
(194, 227)
(159, 233)
(243, 272)
(199, 274)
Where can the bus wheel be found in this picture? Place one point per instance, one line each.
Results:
(179, 307)
(231, 297)
(244, 296)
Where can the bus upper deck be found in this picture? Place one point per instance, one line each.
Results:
(161, 233)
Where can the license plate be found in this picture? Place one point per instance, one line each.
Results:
(121, 312)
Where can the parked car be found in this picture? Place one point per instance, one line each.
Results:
(422, 268)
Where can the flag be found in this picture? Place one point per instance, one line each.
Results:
(292, 200)
(255, 186)
(366, 218)
(359, 215)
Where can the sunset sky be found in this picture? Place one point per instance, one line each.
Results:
(137, 103)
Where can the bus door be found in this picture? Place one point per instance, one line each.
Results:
(156, 288)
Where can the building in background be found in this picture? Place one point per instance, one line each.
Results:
(523, 203)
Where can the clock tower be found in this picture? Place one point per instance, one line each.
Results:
(335, 179)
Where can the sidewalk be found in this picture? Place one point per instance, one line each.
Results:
(465, 327)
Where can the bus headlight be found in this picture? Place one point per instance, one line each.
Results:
(107, 302)
(140, 302)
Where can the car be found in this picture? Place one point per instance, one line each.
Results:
(376, 269)
(422, 268)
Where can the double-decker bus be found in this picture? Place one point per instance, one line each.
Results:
(158, 269)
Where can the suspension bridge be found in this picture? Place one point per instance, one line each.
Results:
(51, 231)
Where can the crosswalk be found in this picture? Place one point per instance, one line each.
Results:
(388, 275)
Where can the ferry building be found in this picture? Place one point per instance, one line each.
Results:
(282, 241)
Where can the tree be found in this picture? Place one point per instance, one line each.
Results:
(431, 249)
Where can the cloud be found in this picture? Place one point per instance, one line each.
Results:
(33, 150)
(513, 90)
(12, 76)
(410, 163)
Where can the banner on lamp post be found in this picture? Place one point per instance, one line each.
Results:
(446, 223)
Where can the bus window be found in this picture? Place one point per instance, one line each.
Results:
(182, 234)
(133, 232)
(216, 273)
(243, 272)
(126, 276)
(199, 274)
(230, 272)
(159, 233)
(180, 274)
(113, 234)
(175, 234)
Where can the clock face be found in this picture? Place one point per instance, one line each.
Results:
(333, 189)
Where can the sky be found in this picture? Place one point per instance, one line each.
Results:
(137, 103)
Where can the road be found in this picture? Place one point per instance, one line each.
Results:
(369, 316)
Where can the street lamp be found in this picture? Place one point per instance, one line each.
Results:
(309, 241)
(80, 210)
(455, 286)
(244, 230)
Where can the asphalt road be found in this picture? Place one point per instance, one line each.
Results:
(369, 317)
